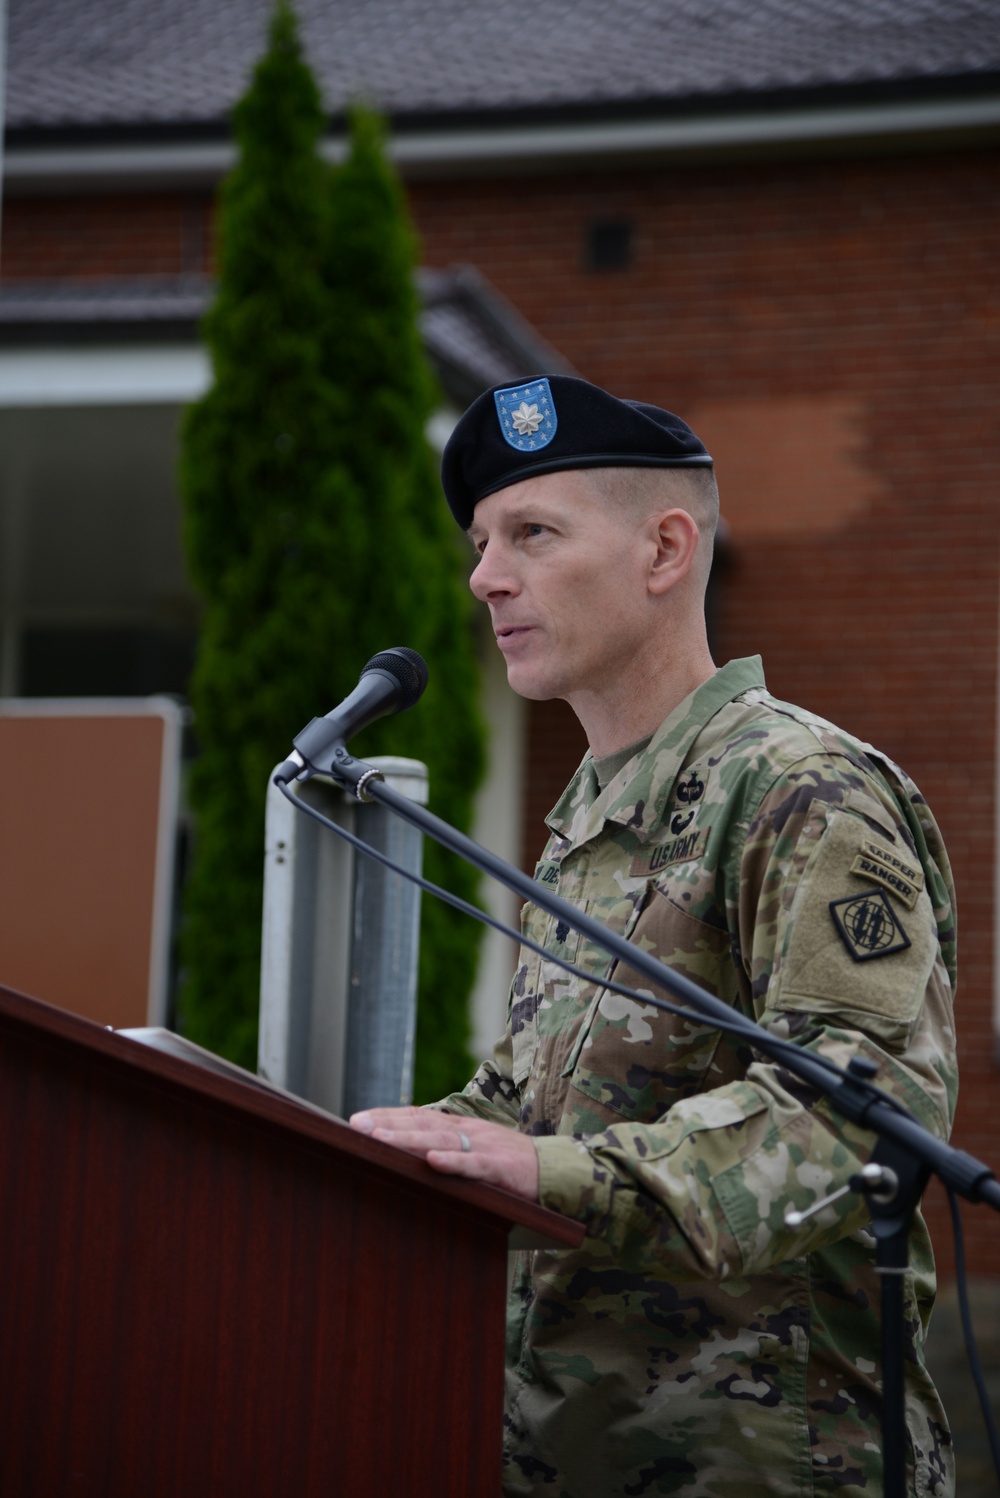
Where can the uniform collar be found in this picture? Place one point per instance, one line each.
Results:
(637, 795)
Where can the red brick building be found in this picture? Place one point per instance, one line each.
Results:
(786, 227)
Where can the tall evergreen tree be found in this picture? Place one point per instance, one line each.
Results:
(415, 589)
(263, 527)
(316, 535)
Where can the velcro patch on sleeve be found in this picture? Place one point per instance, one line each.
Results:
(833, 928)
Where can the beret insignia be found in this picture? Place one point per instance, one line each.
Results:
(527, 415)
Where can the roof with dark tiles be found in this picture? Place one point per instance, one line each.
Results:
(473, 335)
(134, 64)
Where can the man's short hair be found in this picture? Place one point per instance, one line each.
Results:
(649, 489)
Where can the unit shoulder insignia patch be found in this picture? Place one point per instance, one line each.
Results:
(868, 926)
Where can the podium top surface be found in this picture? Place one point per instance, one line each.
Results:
(531, 1224)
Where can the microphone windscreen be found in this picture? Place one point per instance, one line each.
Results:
(407, 667)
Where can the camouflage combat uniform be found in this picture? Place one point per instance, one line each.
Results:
(695, 1344)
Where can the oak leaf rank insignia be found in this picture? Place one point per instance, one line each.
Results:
(527, 415)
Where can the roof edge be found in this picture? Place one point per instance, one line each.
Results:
(45, 319)
(907, 89)
(200, 158)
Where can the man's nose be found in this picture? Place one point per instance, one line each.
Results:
(491, 578)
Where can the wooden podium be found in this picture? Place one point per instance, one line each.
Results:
(207, 1289)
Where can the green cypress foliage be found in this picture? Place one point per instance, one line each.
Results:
(414, 589)
(316, 534)
(255, 476)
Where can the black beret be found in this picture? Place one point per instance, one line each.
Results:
(553, 422)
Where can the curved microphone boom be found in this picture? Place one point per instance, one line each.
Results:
(391, 682)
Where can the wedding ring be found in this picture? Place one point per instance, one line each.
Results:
(465, 1142)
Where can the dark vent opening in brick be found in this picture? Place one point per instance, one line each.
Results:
(609, 244)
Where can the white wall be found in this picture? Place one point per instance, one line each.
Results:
(163, 374)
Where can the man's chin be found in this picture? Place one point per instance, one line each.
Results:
(530, 684)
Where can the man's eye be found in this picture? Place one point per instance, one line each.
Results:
(533, 529)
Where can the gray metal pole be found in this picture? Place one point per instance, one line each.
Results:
(306, 945)
(340, 947)
(382, 1013)
(9, 580)
(3, 90)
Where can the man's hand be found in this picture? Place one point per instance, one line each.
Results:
(457, 1145)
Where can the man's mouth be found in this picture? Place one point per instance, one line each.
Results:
(509, 634)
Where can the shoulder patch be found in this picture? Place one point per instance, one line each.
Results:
(868, 926)
(902, 887)
(890, 859)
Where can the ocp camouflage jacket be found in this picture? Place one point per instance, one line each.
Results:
(695, 1344)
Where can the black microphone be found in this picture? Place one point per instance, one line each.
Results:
(391, 682)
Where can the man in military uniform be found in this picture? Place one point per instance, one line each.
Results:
(696, 1344)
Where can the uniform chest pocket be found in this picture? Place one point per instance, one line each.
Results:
(548, 1004)
(633, 1060)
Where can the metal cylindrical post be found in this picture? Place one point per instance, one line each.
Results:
(382, 1006)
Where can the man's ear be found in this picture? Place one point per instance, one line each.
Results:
(675, 537)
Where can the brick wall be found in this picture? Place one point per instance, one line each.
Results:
(834, 328)
(89, 238)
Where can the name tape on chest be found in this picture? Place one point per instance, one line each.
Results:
(683, 849)
(884, 866)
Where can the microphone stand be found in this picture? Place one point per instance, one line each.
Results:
(906, 1153)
